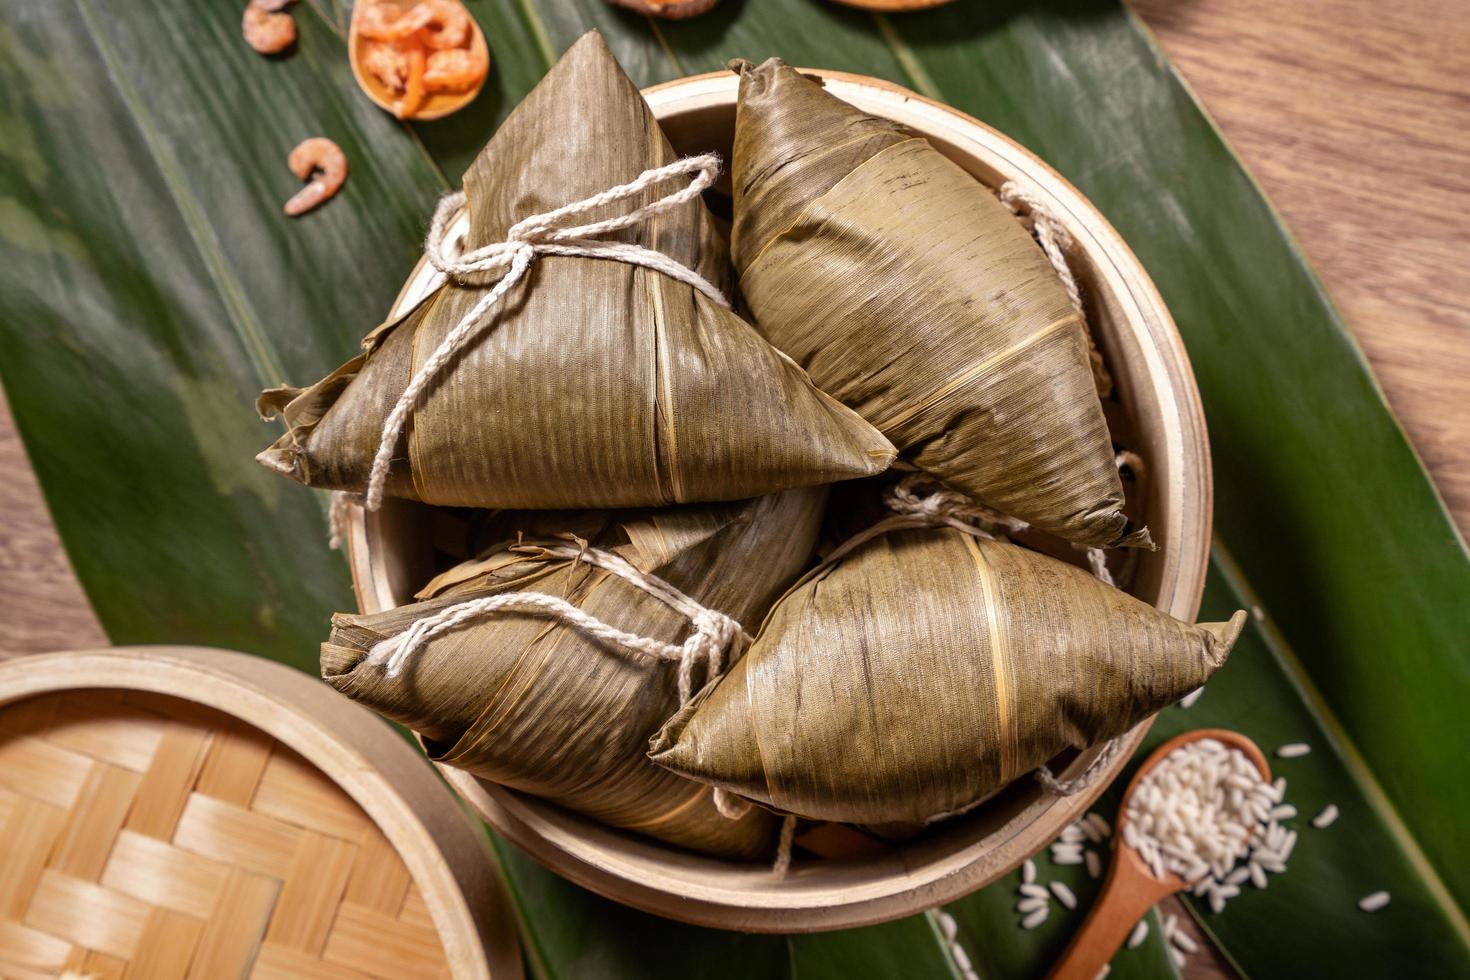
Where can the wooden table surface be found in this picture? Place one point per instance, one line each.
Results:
(1354, 116)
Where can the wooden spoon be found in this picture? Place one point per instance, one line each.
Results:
(1130, 888)
(436, 105)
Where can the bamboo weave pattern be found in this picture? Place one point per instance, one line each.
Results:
(144, 836)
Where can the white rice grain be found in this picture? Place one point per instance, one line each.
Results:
(1373, 902)
(1064, 894)
(1031, 904)
(1074, 858)
(1094, 864)
(1034, 891)
(1326, 818)
(1103, 827)
(948, 926)
(1189, 699)
(1028, 871)
(1106, 969)
(1035, 919)
(1293, 750)
(1182, 940)
(1138, 935)
(1285, 811)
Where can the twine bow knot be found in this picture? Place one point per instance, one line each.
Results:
(551, 233)
(714, 638)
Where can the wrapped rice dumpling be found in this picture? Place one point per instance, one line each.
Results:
(908, 291)
(532, 703)
(596, 383)
(925, 670)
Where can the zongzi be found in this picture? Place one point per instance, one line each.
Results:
(596, 381)
(542, 706)
(925, 669)
(909, 292)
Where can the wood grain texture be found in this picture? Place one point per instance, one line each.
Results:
(1354, 118)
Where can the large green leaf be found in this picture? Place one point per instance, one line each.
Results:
(151, 287)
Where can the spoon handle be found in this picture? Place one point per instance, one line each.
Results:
(1127, 894)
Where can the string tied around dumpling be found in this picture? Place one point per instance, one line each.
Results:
(1055, 240)
(714, 640)
(553, 233)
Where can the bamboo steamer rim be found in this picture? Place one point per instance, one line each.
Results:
(444, 852)
(1147, 354)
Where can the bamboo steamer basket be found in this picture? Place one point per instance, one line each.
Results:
(180, 811)
(391, 557)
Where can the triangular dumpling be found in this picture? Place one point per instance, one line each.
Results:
(925, 670)
(598, 383)
(909, 292)
(537, 705)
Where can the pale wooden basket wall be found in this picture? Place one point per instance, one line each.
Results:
(143, 835)
(391, 558)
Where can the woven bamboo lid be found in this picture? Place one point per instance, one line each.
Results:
(182, 812)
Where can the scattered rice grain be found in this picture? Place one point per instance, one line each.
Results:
(1064, 894)
(1034, 891)
(1189, 699)
(1373, 902)
(1094, 864)
(1028, 871)
(1035, 919)
(1293, 750)
(1326, 818)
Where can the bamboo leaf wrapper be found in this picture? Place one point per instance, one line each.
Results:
(912, 294)
(598, 383)
(536, 705)
(927, 669)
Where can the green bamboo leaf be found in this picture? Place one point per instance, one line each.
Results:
(1307, 922)
(152, 287)
(1319, 494)
(152, 284)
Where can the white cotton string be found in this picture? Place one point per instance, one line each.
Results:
(1051, 234)
(731, 807)
(337, 518)
(551, 233)
(1097, 558)
(1088, 776)
(1055, 239)
(938, 507)
(713, 638)
(784, 845)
